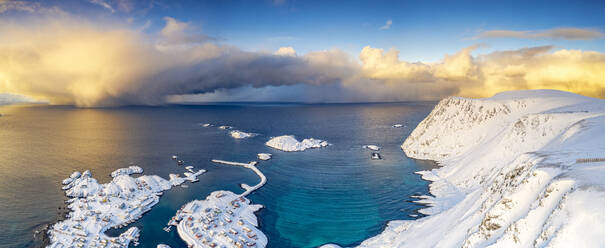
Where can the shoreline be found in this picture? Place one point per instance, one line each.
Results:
(95, 208)
(211, 222)
(512, 173)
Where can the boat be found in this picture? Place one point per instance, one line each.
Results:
(376, 156)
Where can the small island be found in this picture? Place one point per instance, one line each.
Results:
(288, 143)
(223, 219)
(95, 208)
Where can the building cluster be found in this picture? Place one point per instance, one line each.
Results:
(222, 220)
(95, 208)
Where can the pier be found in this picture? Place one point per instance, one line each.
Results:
(250, 165)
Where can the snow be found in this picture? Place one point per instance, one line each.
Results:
(225, 127)
(95, 207)
(372, 147)
(329, 246)
(127, 171)
(223, 218)
(240, 135)
(397, 125)
(512, 173)
(206, 125)
(288, 143)
(264, 156)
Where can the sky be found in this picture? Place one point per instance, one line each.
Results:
(121, 52)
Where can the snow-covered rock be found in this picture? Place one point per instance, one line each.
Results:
(372, 147)
(225, 127)
(94, 207)
(205, 125)
(264, 156)
(515, 171)
(133, 169)
(289, 144)
(240, 135)
(329, 246)
(397, 125)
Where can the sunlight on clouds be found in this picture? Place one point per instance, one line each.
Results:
(72, 63)
(569, 33)
(530, 68)
(285, 51)
(67, 60)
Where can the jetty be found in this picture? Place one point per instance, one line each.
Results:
(250, 165)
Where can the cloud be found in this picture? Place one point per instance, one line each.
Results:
(176, 32)
(103, 4)
(387, 25)
(7, 5)
(71, 61)
(555, 33)
(28, 7)
(285, 51)
(484, 75)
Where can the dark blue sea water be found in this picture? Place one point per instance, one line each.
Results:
(334, 194)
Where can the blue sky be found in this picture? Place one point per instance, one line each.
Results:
(421, 30)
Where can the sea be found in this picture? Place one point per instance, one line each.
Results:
(336, 194)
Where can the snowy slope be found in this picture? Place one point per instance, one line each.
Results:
(512, 173)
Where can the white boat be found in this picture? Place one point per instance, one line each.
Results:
(376, 156)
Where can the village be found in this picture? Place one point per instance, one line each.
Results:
(95, 208)
(223, 219)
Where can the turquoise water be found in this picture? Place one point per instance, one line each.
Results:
(334, 194)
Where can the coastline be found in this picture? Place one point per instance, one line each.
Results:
(509, 168)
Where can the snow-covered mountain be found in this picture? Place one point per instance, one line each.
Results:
(519, 169)
(8, 99)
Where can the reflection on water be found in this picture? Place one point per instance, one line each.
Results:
(333, 194)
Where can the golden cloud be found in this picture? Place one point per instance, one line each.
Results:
(577, 71)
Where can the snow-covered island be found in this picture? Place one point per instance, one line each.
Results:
(223, 219)
(519, 169)
(264, 156)
(95, 207)
(288, 143)
(237, 134)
